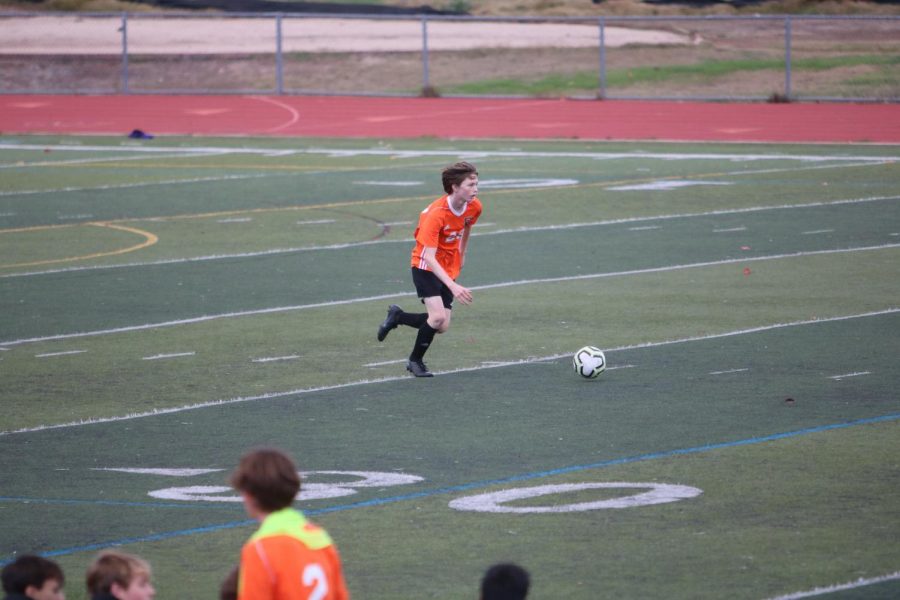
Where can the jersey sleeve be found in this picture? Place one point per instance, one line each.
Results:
(429, 231)
(255, 579)
(339, 586)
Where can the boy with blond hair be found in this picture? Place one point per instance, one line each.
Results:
(116, 575)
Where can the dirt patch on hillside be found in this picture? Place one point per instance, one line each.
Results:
(76, 34)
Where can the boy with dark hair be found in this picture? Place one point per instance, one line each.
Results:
(505, 582)
(437, 258)
(288, 558)
(116, 575)
(32, 577)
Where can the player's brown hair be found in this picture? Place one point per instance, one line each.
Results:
(269, 476)
(456, 173)
(112, 567)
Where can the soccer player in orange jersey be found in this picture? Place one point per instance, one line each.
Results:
(288, 558)
(437, 258)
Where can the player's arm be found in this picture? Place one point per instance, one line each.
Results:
(429, 255)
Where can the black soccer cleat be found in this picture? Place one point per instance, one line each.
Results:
(418, 368)
(390, 322)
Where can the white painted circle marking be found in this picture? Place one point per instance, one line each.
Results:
(658, 493)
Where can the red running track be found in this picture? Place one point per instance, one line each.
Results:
(454, 118)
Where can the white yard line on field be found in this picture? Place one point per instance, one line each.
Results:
(861, 582)
(728, 371)
(82, 161)
(172, 355)
(493, 365)
(121, 186)
(385, 362)
(846, 375)
(66, 353)
(514, 230)
(503, 284)
(275, 358)
(338, 152)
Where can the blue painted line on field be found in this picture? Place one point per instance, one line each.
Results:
(469, 486)
(145, 538)
(74, 502)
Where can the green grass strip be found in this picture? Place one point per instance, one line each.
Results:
(560, 83)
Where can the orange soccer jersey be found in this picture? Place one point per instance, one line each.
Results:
(440, 227)
(289, 558)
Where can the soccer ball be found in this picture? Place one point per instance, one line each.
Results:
(589, 362)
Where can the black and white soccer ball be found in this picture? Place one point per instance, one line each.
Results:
(589, 362)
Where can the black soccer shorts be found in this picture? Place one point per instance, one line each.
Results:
(428, 285)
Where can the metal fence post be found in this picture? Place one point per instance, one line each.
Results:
(787, 58)
(601, 23)
(124, 75)
(425, 79)
(279, 59)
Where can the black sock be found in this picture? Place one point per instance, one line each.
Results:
(414, 320)
(423, 340)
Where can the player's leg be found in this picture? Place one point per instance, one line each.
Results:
(436, 322)
(440, 310)
(397, 316)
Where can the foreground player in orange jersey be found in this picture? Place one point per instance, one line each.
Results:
(288, 558)
(437, 258)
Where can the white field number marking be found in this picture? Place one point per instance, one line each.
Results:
(310, 490)
(656, 493)
(495, 502)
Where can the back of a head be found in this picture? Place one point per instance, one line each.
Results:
(114, 567)
(29, 570)
(505, 581)
(269, 476)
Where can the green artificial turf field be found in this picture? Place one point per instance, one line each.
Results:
(169, 304)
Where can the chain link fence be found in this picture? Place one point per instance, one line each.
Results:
(776, 58)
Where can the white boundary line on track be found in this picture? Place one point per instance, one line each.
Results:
(293, 113)
(524, 229)
(489, 286)
(839, 587)
(492, 365)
